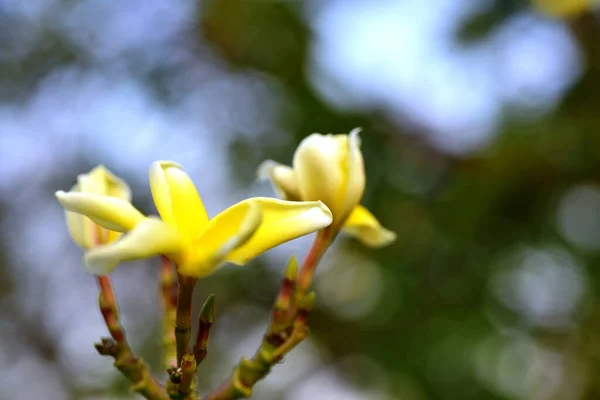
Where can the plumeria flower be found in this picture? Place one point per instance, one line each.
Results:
(185, 234)
(100, 181)
(330, 168)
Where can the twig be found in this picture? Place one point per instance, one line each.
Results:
(168, 289)
(288, 327)
(133, 368)
(117, 347)
(188, 372)
(249, 371)
(183, 318)
(280, 316)
(316, 252)
(182, 379)
(108, 308)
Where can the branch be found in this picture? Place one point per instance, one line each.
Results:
(182, 379)
(287, 329)
(132, 367)
(249, 371)
(108, 308)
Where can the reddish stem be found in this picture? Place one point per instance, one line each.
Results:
(311, 261)
(108, 308)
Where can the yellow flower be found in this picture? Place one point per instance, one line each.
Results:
(565, 8)
(100, 181)
(330, 168)
(195, 243)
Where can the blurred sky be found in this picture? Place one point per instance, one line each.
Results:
(86, 100)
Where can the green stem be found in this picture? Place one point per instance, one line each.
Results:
(133, 368)
(183, 317)
(168, 289)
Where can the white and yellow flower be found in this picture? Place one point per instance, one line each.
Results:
(185, 234)
(330, 168)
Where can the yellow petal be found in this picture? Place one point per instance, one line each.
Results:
(109, 212)
(224, 233)
(282, 177)
(281, 221)
(101, 181)
(355, 183)
(149, 238)
(365, 227)
(330, 168)
(82, 230)
(176, 198)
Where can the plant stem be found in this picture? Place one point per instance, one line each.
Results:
(117, 347)
(183, 318)
(168, 289)
(133, 368)
(188, 373)
(311, 261)
(108, 308)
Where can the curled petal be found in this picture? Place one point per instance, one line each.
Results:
(149, 238)
(224, 233)
(364, 226)
(283, 179)
(101, 181)
(109, 212)
(281, 221)
(176, 198)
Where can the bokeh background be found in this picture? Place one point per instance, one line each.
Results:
(481, 124)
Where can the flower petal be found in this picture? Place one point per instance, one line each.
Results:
(149, 238)
(316, 163)
(282, 177)
(282, 221)
(101, 181)
(330, 168)
(365, 227)
(109, 212)
(355, 182)
(224, 233)
(176, 198)
(82, 229)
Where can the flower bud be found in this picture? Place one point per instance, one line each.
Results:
(330, 168)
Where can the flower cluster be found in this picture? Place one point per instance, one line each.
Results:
(321, 193)
(323, 190)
